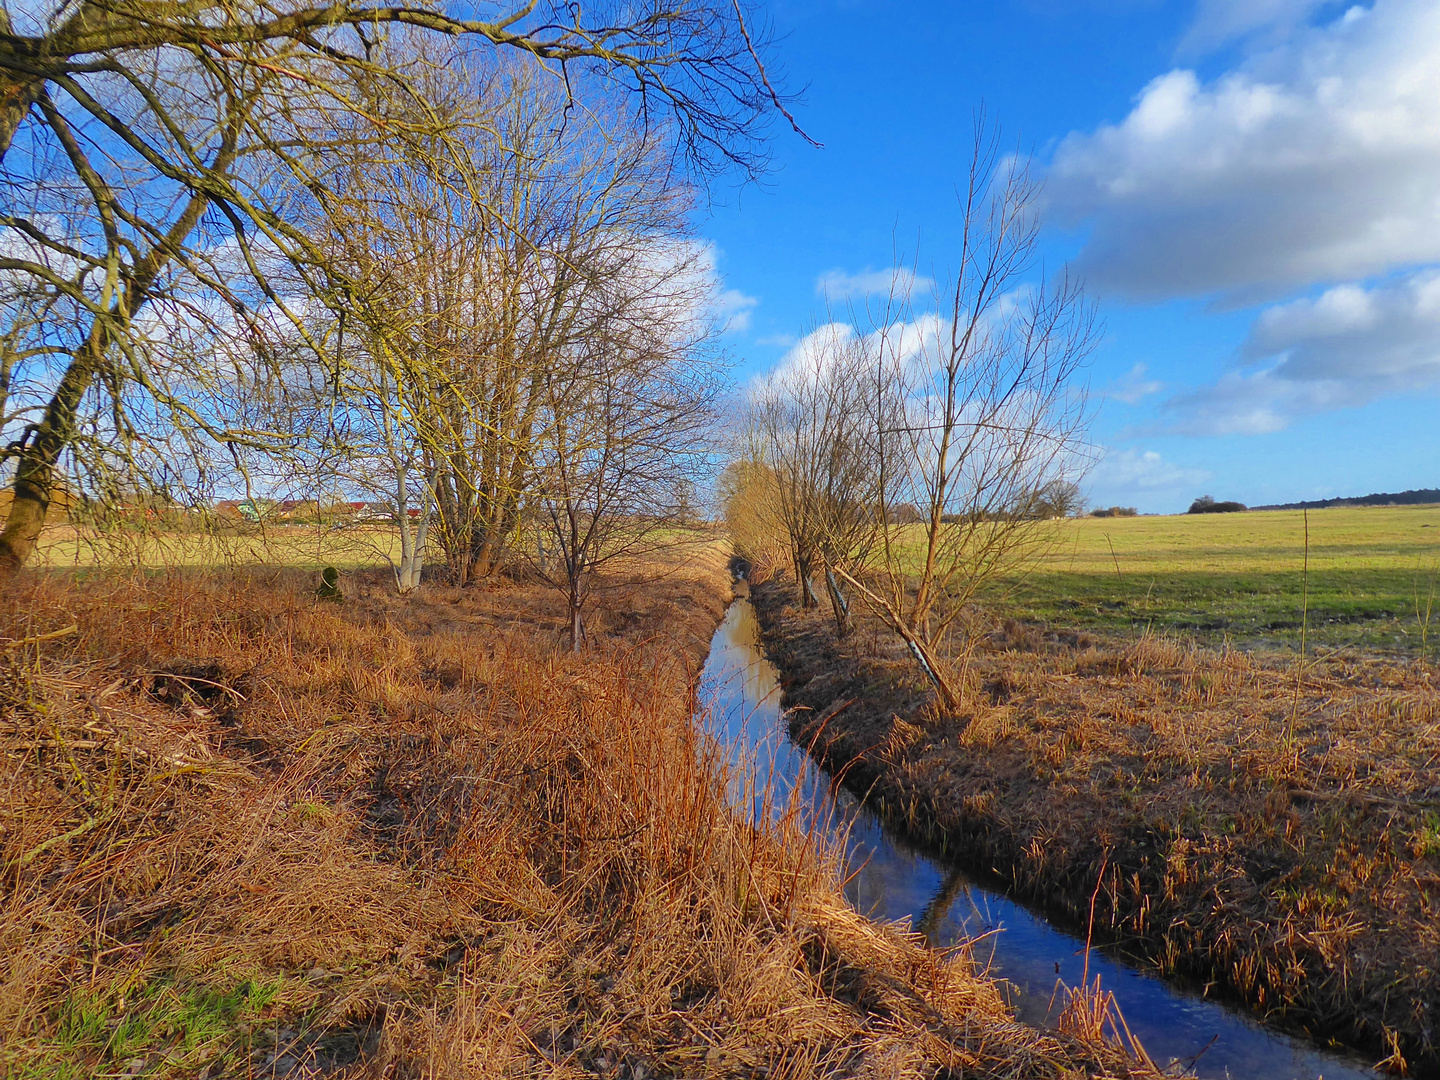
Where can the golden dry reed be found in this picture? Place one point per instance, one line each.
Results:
(246, 832)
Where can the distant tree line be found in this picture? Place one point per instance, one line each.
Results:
(1114, 511)
(1413, 497)
(1206, 504)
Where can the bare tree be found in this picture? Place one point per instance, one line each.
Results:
(976, 411)
(697, 57)
(629, 409)
(810, 428)
(155, 156)
(488, 261)
(1058, 498)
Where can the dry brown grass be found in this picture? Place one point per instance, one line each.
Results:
(1268, 827)
(247, 833)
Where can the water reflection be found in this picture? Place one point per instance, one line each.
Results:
(890, 881)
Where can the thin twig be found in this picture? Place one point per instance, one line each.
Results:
(79, 830)
(38, 638)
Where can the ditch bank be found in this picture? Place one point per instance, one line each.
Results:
(1268, 833)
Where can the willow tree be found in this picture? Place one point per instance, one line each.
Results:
(811, 426)
(160, 149)
(481, 264)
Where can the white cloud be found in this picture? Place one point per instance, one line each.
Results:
(1344, 348)
(811, 353)
(1133, 386)
(901, 346)
(897, 281)
(734, 309)
(1312, 162)
(1138, 472)
(1251, 404)
(1379, 340)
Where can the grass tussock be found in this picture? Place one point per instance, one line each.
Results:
(1267, 826)
(251, 833)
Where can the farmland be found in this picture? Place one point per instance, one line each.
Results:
(1242, 578)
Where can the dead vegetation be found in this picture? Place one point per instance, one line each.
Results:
(1269, 829)
(247, 832)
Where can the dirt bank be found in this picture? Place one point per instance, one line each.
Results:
(1270, 830)
(248, 832)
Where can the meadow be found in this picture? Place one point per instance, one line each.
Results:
(1372, 584)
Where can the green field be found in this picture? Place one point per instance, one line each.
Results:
(1240, 577)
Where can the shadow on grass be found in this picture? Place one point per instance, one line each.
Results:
(1380, 611)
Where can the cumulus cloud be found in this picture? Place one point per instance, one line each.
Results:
(1385, 338)
(906, 346)
(813, 352)
(1142, 472)
(1343, 348)
(898, 281)
(1133, 387)
(1312, 162)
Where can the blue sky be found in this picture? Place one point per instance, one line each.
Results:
(1251, 189)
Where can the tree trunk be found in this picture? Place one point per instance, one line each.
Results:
(412, 549)
(945, 688)
(808, 589)
(17, 94)
(482, 559)
(417, 558)
(838, 604)
(16, 97)
(35, 473)
(577, 628)
(808, 599)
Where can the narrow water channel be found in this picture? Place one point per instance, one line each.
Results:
(740, 695)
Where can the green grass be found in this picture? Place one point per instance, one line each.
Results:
(157, 1028)
(1427, 841)
(1239, 577)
